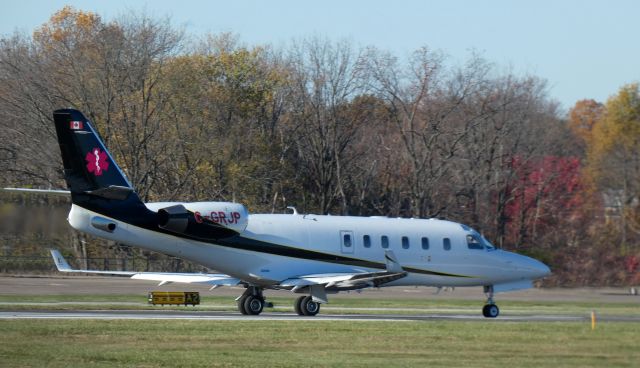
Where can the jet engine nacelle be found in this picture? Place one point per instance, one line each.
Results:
(204, 220)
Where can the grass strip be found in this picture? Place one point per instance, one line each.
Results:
(95, 343)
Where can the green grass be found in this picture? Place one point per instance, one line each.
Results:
(336, 305)
(68, 343)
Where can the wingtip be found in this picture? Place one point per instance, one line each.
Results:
(61, 263)
(392, 262)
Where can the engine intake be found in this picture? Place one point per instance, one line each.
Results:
(103, 224)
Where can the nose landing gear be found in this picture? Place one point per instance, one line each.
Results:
(490, 310)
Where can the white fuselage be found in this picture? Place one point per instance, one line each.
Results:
(356, 238)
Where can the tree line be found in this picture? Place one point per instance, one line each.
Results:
(331, 128)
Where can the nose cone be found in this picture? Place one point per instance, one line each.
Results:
(527, 266)
(538, 269)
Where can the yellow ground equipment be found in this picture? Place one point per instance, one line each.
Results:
(174, 297)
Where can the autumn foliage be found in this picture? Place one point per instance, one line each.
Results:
(546, 192)
(331, 128)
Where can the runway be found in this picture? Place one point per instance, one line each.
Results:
(96, 285)
(67, 307)
(281, 316)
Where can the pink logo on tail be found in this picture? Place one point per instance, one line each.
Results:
(97, 161)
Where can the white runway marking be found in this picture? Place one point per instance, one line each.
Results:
(230, 316)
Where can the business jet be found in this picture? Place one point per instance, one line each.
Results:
(311, 255)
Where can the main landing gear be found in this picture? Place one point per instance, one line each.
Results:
(305, 306)
(490, 310)
(251, 302)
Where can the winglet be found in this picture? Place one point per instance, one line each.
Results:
(392, 262)
(61, 263)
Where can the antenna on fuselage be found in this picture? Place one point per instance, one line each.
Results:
(295, 212)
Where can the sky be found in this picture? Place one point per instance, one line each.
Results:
(584, 49)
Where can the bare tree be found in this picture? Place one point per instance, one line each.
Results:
(326, 78)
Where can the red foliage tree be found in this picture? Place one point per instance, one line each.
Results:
(544, 193)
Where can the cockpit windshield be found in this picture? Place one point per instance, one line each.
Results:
(477, 241)
(487, 243)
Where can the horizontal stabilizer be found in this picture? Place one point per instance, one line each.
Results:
(53, 192)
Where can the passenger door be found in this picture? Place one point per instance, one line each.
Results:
(347, 241)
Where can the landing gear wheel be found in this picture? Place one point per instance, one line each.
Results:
(309, 307)
(241, 304)
(297, 305)
(253, 305)
(490, 311)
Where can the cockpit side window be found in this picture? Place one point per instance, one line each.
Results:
(474, 242)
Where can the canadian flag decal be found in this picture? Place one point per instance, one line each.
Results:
(76, 125)
(97, 162)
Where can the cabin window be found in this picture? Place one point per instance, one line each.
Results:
(366, 240)
(405, 242)
(384, 241)
(446, 244)
(346, 240)
(425, 243)
(473, 242)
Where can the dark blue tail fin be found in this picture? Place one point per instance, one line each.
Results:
(89, 169)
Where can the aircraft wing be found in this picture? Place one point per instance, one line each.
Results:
(348, 281)
(211, 279)
(345, 280)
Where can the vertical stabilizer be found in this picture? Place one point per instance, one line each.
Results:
(88, 166)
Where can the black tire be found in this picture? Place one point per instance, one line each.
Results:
(253, 305)
(490, 311)
(241, 304)
(309, 307)
(297, 305)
